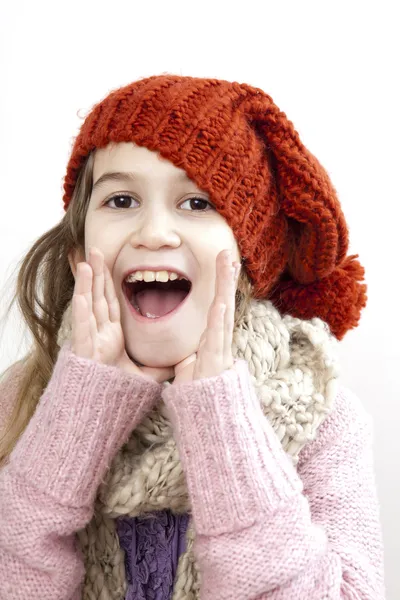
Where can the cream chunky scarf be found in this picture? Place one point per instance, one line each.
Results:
(294, 368)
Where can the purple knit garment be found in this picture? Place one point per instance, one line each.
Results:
(153, 544)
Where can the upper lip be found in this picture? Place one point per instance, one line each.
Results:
(169, 268)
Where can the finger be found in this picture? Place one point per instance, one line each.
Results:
(186, 374)
(220, 296)
(237, 266)
(213, 347)
(218, 287)
(225, 272)
(114, 309)
(100, 305)
(160, 375)
(225, 294)
(181, 365)
(81, 337)
(89, 295)
(202, 341)
(230, 297)
(82, 327)
(199, 354)
(164, 373)
(221, 261)
(83, 283)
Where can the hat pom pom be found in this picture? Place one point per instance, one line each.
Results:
(337, 299)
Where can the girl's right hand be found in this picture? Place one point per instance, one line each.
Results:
(96, 321)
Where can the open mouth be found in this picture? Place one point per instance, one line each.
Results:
(155, 299)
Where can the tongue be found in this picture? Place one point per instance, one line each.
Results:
(157, 303)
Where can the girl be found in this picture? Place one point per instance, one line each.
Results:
(178, 429)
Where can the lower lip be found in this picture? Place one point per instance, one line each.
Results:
(162, 319)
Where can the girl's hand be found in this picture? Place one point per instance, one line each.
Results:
(215, 347)
(96, 321)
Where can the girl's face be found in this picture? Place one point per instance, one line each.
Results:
(160, 221)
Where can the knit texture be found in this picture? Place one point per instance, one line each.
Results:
(48, 487)
(317, 537)
(279, 512)
(294, 370)
(236, 145)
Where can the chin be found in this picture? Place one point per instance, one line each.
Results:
(161, 357)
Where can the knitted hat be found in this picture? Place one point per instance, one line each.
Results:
(236, 145)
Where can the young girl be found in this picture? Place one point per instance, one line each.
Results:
(178, 429)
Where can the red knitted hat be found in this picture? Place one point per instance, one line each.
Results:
(236, 145)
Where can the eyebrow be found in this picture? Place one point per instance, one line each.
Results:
(127, 176)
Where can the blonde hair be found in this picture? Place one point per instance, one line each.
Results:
(44, 288)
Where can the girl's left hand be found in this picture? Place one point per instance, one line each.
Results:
(214, 354)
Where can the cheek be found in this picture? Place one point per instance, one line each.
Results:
(221, 237)
(94, 236)
(99, 233)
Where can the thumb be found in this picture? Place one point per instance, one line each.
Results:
(186, 361)
(159, 374)
(185, 369)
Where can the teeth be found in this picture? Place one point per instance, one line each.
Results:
(153, 276)
(161, 275)
(149, 276)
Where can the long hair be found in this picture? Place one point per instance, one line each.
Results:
(43, 290)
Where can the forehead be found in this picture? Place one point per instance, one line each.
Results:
(127, 156)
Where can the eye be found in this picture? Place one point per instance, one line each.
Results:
(198, 204)
(118, 198)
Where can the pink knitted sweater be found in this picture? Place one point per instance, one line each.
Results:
(265, 530)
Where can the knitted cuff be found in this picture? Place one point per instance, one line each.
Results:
(235, 466)
(85, 414)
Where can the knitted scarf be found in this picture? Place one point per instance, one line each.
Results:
(294, 369)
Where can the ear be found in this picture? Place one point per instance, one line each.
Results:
(75, 256)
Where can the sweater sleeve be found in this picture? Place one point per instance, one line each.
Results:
(264, 529)
(49, 483)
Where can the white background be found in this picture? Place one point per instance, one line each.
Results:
(332, 67)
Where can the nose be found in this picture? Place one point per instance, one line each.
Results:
(155, 230)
